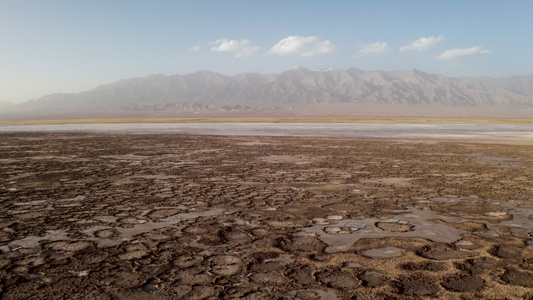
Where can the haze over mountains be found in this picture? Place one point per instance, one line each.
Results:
(295, 92)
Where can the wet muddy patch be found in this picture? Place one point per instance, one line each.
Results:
(340, 234)
(382, 253)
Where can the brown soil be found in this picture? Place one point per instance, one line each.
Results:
(416, 285)
(516, 277)
(107, 216)
(463, 283)
(442, 252)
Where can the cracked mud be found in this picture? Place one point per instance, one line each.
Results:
(108, 216)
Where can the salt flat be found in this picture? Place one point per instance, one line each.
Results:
(503, 133)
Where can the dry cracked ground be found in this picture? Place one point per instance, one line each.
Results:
(104, 216)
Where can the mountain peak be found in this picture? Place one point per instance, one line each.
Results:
(296, 68)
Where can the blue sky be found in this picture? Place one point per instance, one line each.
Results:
(50, 46)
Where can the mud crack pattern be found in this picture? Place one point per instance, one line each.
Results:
(104, 216)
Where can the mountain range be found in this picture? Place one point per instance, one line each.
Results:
(295, 90)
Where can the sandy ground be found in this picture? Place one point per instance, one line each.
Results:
(125, 216)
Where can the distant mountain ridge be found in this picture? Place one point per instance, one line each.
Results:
(296, 87)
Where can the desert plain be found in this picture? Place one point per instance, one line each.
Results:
(88, 215)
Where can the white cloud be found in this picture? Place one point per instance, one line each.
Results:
(458, 53)
(240, 48)
(195, 48)
(423, 44)
(303, 46)
(375, 48)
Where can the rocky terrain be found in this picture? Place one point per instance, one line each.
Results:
(332, 91)
(104, 216)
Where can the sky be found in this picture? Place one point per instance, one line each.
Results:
(70, 46)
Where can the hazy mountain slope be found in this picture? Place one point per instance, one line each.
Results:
(298, 86)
